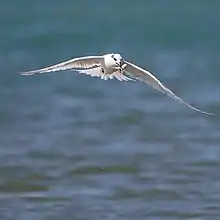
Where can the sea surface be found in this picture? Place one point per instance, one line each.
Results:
(73, 147)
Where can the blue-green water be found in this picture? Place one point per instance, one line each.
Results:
(76, 147)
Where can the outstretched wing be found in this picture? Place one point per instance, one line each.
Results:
(76, 63)
(145, 76)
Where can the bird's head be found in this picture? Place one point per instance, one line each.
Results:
(114, 60)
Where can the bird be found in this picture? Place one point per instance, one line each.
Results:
(113, 65)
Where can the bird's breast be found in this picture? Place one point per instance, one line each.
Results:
(108, 70)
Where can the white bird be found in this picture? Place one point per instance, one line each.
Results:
(109, 66)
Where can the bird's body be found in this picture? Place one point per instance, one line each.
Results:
(109, 66)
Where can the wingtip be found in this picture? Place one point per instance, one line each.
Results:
(26, 74)
(206, 113)
(210, 113)
(21, 73)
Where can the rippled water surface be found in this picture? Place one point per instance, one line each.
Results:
(75, 147)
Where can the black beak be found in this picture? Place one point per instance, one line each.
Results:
(121, 63)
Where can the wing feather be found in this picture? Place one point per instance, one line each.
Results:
(76, 63)
(97, 71)
(145, 76)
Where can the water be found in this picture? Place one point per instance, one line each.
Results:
(76, 147)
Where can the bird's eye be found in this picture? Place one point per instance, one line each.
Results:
(115, 59)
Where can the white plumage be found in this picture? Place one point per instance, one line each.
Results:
(111, 66)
